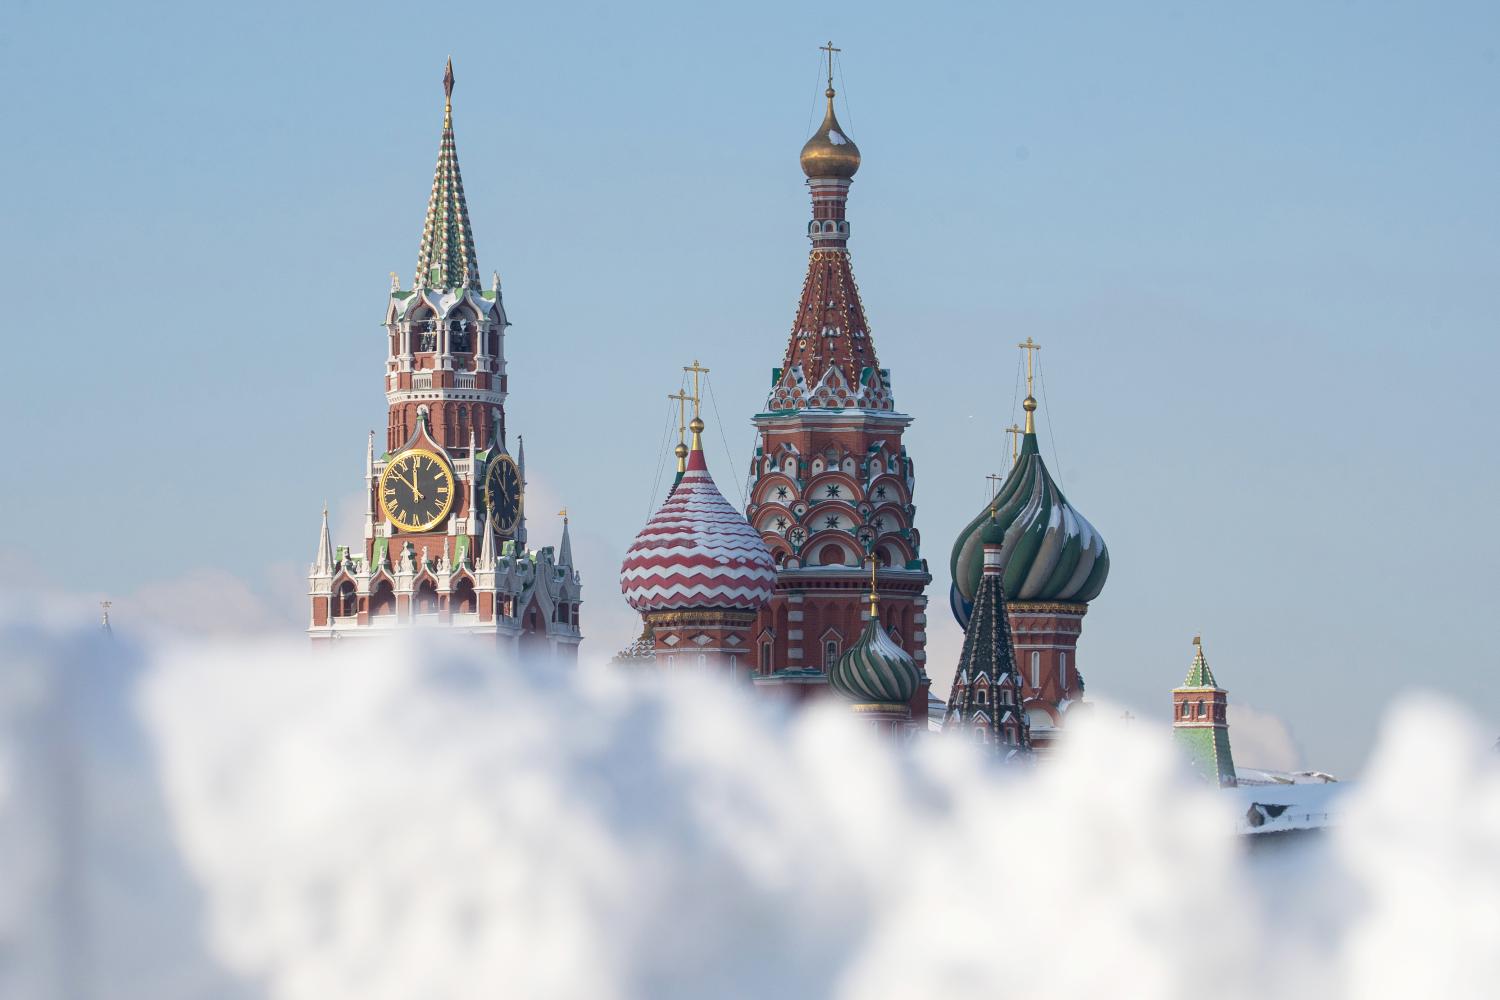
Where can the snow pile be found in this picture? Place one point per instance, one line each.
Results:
(374, 822)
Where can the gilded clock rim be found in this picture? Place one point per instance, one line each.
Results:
(445, 471)
(489, 507)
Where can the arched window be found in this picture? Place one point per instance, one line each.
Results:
(830, 654)
(982, 696)
(383, 599)
(424, 330)
(464, 601)
(1062, 672)
(1036, 669)
(346, 601)
(1200, 709)
(765, 657)
(461, 336)
(424, 600)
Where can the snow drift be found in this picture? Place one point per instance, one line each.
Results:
(373, 822)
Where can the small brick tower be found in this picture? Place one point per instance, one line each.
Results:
(1200, 723)
(832, 483)
(445, 525)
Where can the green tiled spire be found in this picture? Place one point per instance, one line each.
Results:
(447, 259)
(1199, 675)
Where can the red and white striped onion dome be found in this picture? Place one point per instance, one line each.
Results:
(697, 552)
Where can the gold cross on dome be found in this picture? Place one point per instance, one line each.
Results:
(830, 50)
(1030, 347)
(682, 400)
(697, 370)
(1014, 430)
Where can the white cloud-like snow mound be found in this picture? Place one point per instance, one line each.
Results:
(225, 821)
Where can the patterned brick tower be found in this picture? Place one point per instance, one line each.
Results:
(1053, 563)
(1200, 722)
(984, 703)
(698, 574)
(832, 483)
(445, 526)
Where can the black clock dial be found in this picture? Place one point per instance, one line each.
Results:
(416, 490)
(502, 494)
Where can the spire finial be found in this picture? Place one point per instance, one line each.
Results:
(681, 451)
(874, 587)
(697, 370)
(697, 425)
(563, 514)
(1014, 430)
(448, 94)
(830, 50)
(1029, 403)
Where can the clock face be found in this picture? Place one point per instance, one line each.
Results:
(502, 494)
(416, 490)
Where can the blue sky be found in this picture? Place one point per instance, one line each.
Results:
(1259, 243)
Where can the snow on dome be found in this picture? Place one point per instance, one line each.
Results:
(697, 551)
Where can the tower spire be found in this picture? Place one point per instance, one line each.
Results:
(1029, 403)
(447, 258)
(323, 566)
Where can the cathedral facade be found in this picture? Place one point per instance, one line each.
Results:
(445, 539)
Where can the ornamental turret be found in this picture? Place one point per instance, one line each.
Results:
(876, 676)
(698, 574)
(1053, 564)
(984, 704)
(832, 482)
(444, 526)
(1200, 721)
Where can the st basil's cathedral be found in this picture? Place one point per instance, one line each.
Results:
(833, 598)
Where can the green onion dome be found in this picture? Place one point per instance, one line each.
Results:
(1051, 552)
(875, 671)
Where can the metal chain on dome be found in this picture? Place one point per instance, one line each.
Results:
(661, 459)
(838, 61)
(1051, 432)
(728, 455)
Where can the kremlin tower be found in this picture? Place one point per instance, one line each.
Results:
(985, 701)
(1200, 721)
(1052, 564)
(698, 574)
(445, 525)
(831, 481)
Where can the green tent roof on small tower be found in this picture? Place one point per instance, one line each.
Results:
(1200, 720)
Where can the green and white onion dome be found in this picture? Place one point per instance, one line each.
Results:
(875, 671)
(1051, 552)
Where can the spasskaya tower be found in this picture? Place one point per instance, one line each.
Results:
(832, 483)
(445, 514)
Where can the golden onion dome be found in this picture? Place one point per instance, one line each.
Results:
(830, 153)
